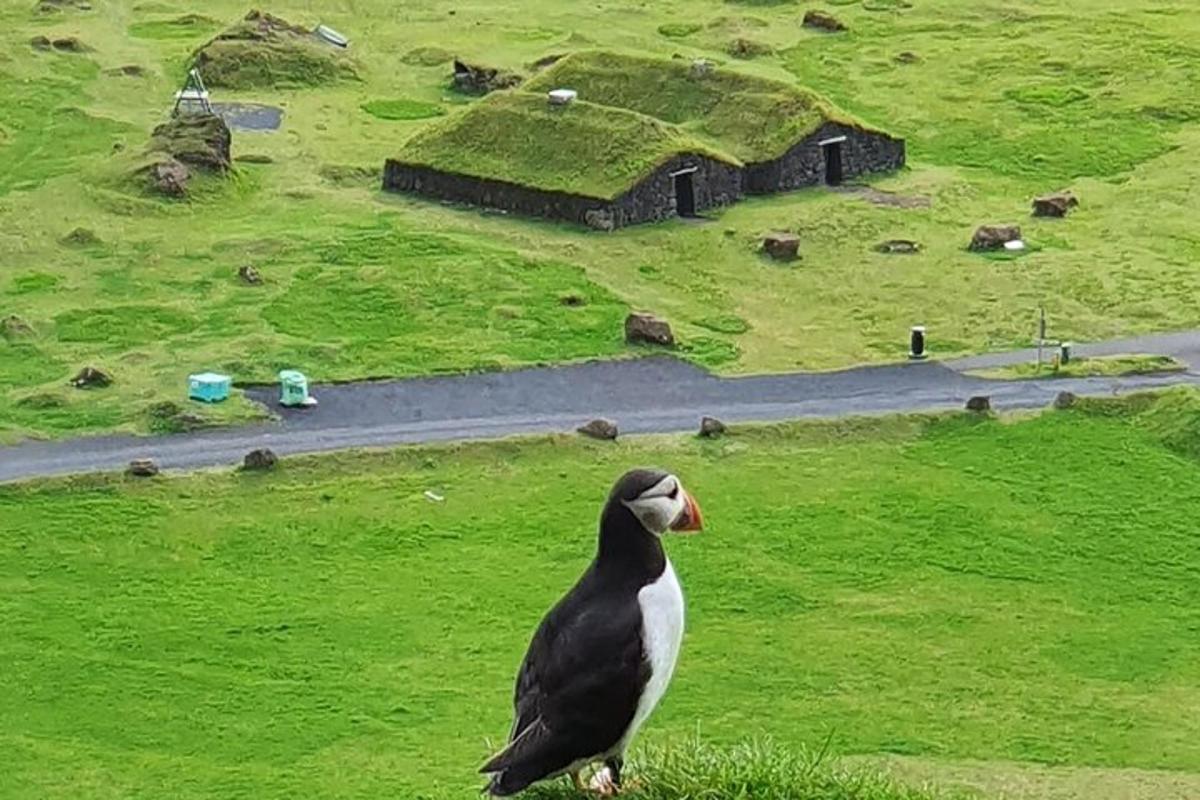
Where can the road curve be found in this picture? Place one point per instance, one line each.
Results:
(650, 395)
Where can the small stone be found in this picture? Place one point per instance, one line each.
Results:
(572, 300)
(979, 404)
(898, 246)
(604, 429)
(249, 275)
(599, 219)
(1065, 400)
(907, 57)
(711, 427)
(648, 329)
(1054, 205)
(69, 44)
(781, 246)
(821, 21)
(994, 237)
(142, 468)
(40, 43)
(91, 378)
(701, 68)
(13, 326)
(81, 237)
(170, 177)
(260, 460)
(744, 48)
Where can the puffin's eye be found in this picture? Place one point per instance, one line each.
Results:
(674, 493)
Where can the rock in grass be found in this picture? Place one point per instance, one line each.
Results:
(898, 246)
(81, 237)
(906, 57)
(993, 237)
(1054, 205)
(822, 21)
(69, 44)
(13, 327)
(1065, 400)
(40, 43)
(249, 275)
(142, 468)
(744, 48)
(572, 300)
(168, 177)
(126, 71)
(648, 329)
(260, 460)
(91, 378)
(201, 141)
(604, 429)
(980, 404)
(481, 79)
(782, 246)
(711, 428)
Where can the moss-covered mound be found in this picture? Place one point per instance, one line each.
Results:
(263, 50)
(582, 148)
(185, 145)
(751, 118)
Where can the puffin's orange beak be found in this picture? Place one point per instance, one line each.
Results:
(690, 520)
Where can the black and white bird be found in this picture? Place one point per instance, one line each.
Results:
(602, 657)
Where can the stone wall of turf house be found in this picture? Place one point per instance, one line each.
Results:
(714, 183)
(863, 152)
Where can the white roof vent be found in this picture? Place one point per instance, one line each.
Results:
(328, 34)
(561, 97)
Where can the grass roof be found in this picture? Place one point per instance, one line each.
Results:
(582, 148)
(752, 118)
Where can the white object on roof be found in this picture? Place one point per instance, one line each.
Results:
(330, 35)
(1015, 244)
(560, 97)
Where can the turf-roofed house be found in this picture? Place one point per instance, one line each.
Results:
(641, 139)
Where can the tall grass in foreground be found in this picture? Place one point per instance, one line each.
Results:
(754, 770)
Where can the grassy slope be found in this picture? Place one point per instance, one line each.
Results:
(584, 148)
(1085, 368)
(962, 589)
(753, 118)
(1004, 103)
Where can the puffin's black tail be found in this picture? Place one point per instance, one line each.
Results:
(527, 759)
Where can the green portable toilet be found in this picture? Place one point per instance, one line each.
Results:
(293, 389)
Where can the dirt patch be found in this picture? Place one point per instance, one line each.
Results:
(249, 116)
(481, 79)
(882, 198)
(268, 51)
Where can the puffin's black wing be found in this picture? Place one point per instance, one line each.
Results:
(578, 687)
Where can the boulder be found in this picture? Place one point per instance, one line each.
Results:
(479, 79)
(69, 44)
(1065, 400)
(604, 429)
(169, 177)
(711, 427)
(980, 404)
(81, 237)
(201, 141)
(599, 219)
(260, 460)
(781, 246)
(901, 246)
(91, 378)
(993, 237)
(822, 21)
(12, 327)
(142, 468)
(648, 329)
(1054, 205)
(249, 275)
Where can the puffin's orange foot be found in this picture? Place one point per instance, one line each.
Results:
(604, 785)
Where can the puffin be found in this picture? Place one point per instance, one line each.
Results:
(602, 657)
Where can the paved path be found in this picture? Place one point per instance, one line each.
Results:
(658, 394)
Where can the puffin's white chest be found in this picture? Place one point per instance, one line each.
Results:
(662, 634)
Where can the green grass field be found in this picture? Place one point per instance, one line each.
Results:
(1084, 368)
(944, 593)
(997, 102)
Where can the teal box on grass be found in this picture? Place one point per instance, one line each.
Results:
(211, 387)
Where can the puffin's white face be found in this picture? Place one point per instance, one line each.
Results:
(666, 506)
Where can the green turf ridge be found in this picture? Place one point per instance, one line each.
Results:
(951, 588)
(583, 148)
(1099, 366)
(750, 117)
